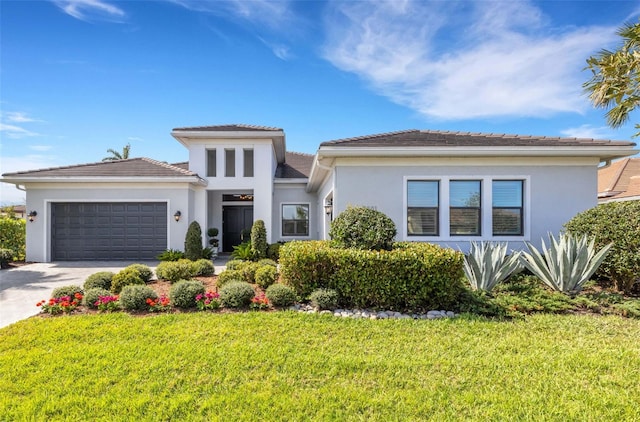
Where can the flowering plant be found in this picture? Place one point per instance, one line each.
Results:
(162, 304)
(63, 304)
(259, 302)
(208, 301)
(107, 303)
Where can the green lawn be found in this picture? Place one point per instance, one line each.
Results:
(290, 366)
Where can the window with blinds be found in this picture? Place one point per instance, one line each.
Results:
(464, 208)
(507, 207)
(423, 203)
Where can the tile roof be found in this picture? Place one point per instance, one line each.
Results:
(133, 167)
(296, 166)
(228, 128)
(435, 138)
(183, 165)
(621, 179)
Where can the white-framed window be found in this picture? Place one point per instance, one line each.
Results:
(465, 209)
(507, 207)
(423, 199)
(211, 163)
(247, 154)
(230, 162)
(295, 220)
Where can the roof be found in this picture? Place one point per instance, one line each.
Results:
(296, 166)
(619, 180)
(435, 138)
(228, 128)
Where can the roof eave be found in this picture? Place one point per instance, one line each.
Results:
(102, 179)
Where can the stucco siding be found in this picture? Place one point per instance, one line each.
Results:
(293, 194)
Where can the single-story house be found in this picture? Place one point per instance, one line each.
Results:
(619, 181)
(447, 188)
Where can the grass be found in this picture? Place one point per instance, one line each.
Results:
(291, 366)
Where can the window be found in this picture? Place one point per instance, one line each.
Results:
(464, 208)
(507, 207)
(423, 200)
(211, 163)
(248, 162)
(230, 162)
(295, 220)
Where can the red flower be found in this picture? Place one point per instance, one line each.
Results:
(78, 295)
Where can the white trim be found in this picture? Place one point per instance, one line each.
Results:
(285, 237)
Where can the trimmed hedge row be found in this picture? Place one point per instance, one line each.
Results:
(411, 276)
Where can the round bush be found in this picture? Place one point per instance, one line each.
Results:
(66, 291)
(267, 261)
(363, 228)
(280, 295)
(228, 276)
(266, 276)
(249, 271)
(145, 272)
(236, 294)
(234, 264)
(6, 256)
(324, 299)
(92, 295)
(173, 271)
(134, 297)
(203, 267)
(273, 252)
(126, 277)
(183, 293)
(100, 279)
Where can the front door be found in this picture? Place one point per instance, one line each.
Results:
(236, 226)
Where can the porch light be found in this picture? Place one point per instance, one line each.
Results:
(328, 207)
(32, 216)
(177, 215)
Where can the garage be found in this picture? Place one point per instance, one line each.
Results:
(108, 231)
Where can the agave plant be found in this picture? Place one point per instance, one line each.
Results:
(488, 264)
(568, 263)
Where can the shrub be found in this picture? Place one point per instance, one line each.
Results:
(324, 299)
(92, 295)
(13, 234)
(259, 240)
(266, 275)
(170, 255)
(242, 251)
(101, 279)
(173, 271)
(235, 264)
(280, 295)
(363, 228)
(412, 276)
(126, 277)
(617, 222)
(249, 270)
(488, 264)
(6, 256)
(208, 253)
(134, 297)
(193, 242)
(268, 261)
(203, 267)
(66, 291)
(145, 272)
(183, 294)
(228, 276)
(236, 294)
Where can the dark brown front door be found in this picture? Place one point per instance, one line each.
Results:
(236, 226)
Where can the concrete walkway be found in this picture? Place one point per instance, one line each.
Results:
(22, 287)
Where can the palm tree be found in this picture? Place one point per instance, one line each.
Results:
(116, 155)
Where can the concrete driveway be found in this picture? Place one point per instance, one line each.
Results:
(22, 287)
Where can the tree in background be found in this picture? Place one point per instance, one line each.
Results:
(615, 83)
(116, 155)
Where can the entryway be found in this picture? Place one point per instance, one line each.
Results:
(236, 225)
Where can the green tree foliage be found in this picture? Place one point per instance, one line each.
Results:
(363, 228)
(193, 242)
(615, 80)
(117, 155)
(259, 243)
(13, 236)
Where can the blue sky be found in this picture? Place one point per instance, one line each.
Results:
(81, 76)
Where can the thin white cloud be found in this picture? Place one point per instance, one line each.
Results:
(16, 132)
(40, 148)
(19, 117)
(588, 131)
(91, 10)
(281, 51)
(462, 60)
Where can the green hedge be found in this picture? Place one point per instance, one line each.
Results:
(411, 276)
(13, 236)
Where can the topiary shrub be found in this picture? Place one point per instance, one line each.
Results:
(363, 228)
(259, 243)
(101, 279)
(280, 295)
(324, 299)
(228, 276)
(134, 297)
(13, 234)
(193, 242)
(273, 251)
(126, 277)
(203, 267)
(145, 272)
(183, 293)
(266, 275)
(236, 294)
(92, 295)
(66, 291)
(173, 271)
(617, 222)
(6, 256)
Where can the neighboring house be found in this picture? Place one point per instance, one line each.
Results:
(619, 181)
(18, 211)
(443, 187)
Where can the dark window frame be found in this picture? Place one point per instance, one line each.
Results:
(212, 165)
(229, 157)
(295, 221)
(246, 153)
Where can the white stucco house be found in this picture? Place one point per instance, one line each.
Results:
(442, 187)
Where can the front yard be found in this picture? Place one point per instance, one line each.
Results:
(292, 366)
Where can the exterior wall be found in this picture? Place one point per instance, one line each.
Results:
(555, 190)
(294, 194)
(41, 195)
(326, 192)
